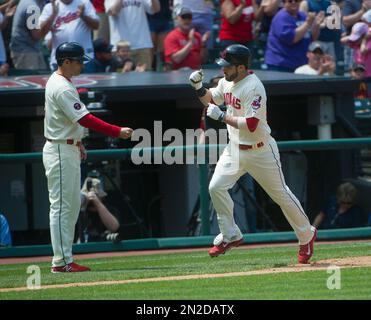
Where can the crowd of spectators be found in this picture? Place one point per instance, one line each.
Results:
(163, 35)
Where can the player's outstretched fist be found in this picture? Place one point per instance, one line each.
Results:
(196, 78)
(126, 133)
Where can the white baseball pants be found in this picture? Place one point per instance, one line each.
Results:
(264, 165)
(62, 169)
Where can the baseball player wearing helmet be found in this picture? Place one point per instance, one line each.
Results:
(65, 117)
(251, 149)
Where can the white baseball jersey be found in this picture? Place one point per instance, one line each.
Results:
(131, 23)
(63, 109)
(246, 98)
(68, 27)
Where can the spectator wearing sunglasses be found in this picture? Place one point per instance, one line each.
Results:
(319, 63)
(341, 211)
(289, 37)
(202, 15)
(184, 47)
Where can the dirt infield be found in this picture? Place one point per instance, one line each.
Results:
(352, 262)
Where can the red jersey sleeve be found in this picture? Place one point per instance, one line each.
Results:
(96, 124)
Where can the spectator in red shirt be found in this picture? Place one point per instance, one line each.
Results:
(237, 22)
(184, 47)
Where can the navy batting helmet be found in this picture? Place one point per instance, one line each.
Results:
(234, 55)
(72, 51)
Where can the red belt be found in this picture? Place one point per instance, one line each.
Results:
(247, 146)
(73, 142)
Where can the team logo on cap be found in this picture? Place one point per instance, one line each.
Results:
(256, 104)
(77, 106)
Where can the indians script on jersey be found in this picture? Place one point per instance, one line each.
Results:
(231, 100)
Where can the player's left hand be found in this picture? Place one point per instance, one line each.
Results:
(196, 78)
(214, 112)
(83, 153)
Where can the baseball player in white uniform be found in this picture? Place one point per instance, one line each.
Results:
(65, 117)
(251, 149)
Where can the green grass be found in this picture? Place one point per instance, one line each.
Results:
(303, 285)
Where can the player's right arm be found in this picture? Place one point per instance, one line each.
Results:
(93, 123)
(76, 111)
(203, 94)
